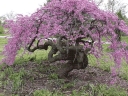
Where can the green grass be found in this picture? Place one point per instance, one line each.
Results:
(124, 71)
(125, 38)
(106, 63)
(3, 41)
(2, 44)
(89, 90)
(37, 56)
(1, 29)
(2, 34)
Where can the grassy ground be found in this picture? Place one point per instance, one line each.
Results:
(125, 38)
(17, 78)
(2, 35)
(2, 44)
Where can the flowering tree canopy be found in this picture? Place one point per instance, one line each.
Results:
(78, 25)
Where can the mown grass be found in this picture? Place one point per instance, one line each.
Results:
(3, 41)
(2, 34)
(105, 63)
(37, 56)
(124, 38)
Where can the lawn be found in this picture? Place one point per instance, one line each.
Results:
(2, 34)
(2, 44)
(29, 71)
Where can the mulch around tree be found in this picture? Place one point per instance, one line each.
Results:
(39, 77)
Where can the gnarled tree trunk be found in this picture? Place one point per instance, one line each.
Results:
(74, 54)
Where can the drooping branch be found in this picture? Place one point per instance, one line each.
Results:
(34, 39)
(44, 46)
(29, 47)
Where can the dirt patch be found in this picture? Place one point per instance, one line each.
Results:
(43, 76)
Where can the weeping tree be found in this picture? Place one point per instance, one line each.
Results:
(77, 25)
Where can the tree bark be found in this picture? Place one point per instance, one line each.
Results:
(74, 54)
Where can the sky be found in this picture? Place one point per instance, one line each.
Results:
(25, 7)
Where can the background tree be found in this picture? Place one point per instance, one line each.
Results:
(115, 6)
(9, 16)
(1, 27)
(99, 2)
(79, 25)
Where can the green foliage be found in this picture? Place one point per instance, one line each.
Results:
(99, 90)
(68, 85)
(16, 79)
(89, 90)
(103, 90)
(1, 30)
(10, 76)
(120, 15)
(47, 93)
(53, 76)
(4, 75)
